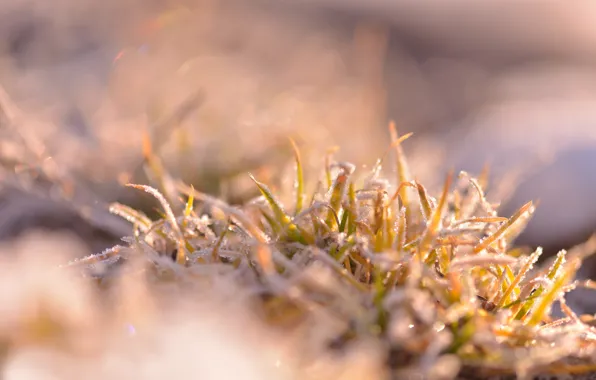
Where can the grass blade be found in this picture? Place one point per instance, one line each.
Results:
(352, 210)
(553, 272)
(299, 184)
(520, 276)
(156, 171)
(403, 171)
(538, 313)
(434, 222)
(189, 205)
(181, 242)
(424, 201)
(278, 211)
(502, 230)
(131, 215)
(336, 195)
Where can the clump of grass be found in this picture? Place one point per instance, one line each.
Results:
(436, 282)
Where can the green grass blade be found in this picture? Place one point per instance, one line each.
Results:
(553, 272)
(520, 276)
(538, 313)
(352, 211)
(290, 229)
(279, 213)
(336, 195)
(299, 184)
(189, 205)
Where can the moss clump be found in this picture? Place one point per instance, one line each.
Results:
(436, 281)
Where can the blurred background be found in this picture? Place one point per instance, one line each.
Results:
(218, 85)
